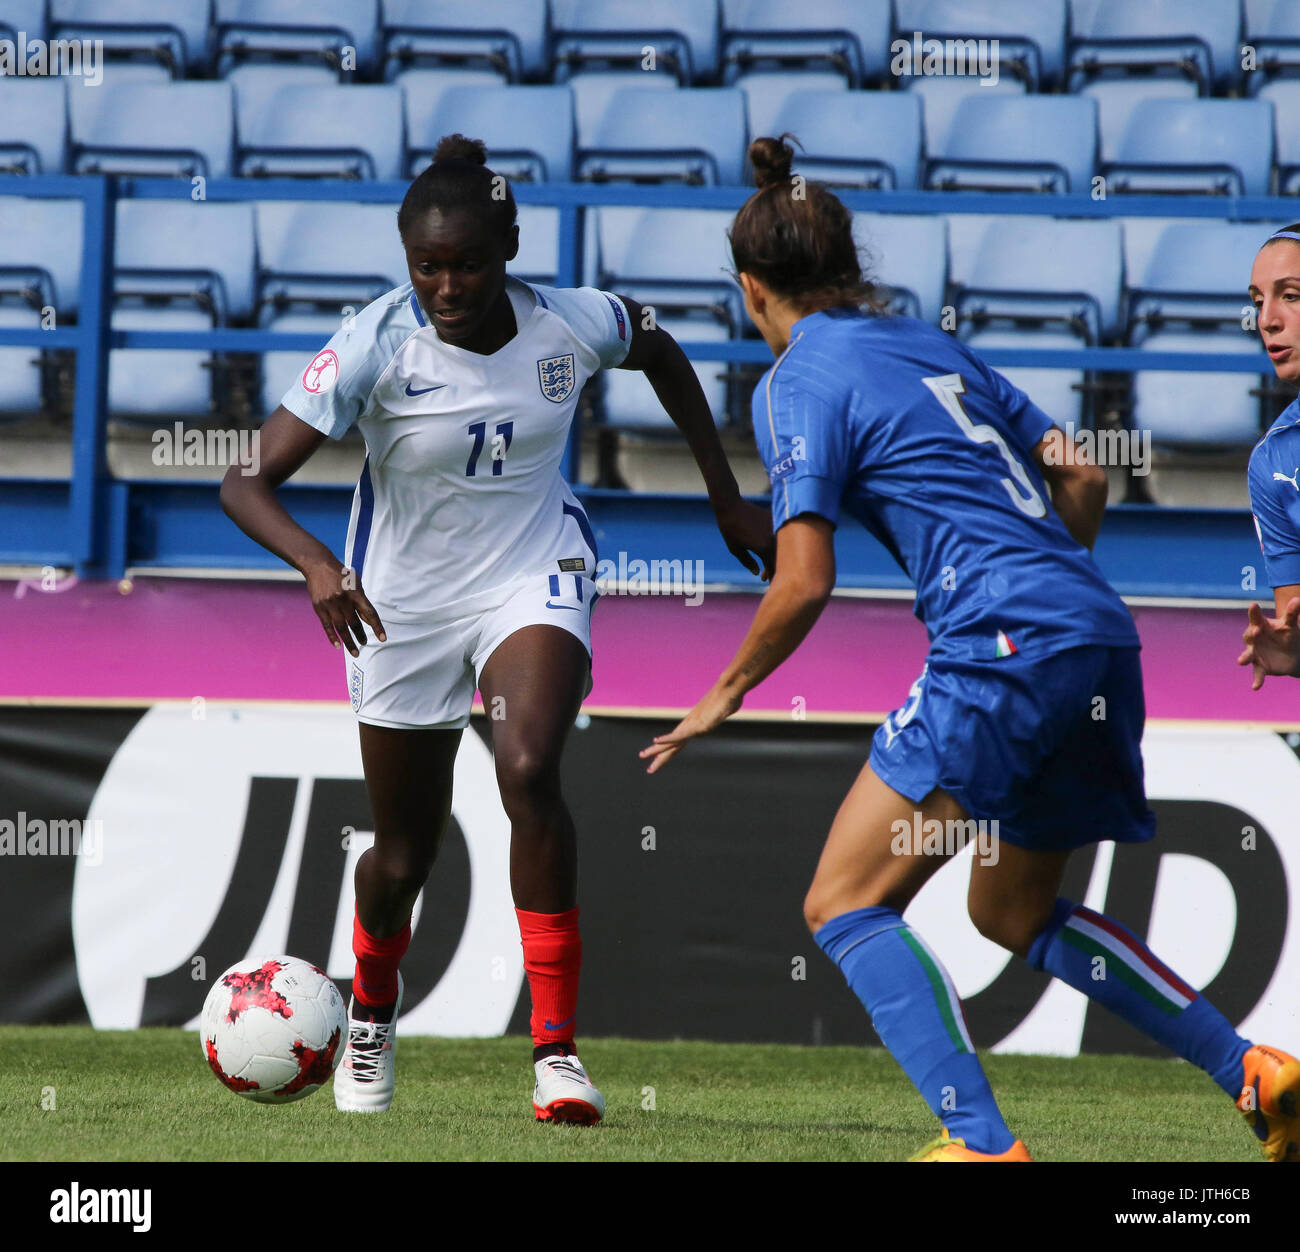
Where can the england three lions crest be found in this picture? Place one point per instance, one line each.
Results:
(556, 377)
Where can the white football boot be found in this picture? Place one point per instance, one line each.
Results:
(364, 1080)
(564, 1093)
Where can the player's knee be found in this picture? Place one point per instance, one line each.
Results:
(402, 875)
(526, 776)
(1012, 928)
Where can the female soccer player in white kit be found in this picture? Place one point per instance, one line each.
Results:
(478, 565)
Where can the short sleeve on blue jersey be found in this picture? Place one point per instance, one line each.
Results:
(596, 317)
(803, 441)
(1025, 420)
(1275, 503)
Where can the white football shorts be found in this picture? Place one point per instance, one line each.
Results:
(423, 677)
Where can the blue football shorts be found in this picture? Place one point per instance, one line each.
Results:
(1049, 746)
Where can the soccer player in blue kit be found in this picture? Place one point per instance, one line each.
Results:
(985, 504)
(1273, 644)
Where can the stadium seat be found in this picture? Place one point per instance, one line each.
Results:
(323, 254)
(942, 98)
(33, 125)
(855, 139)
(179, 129)
(1025, 143)
(593, 91)
(509, 36)
(614, 34)
(423, 89)
(177, 266)
(40, 268)
(907, 256)
(1200, 39)
(1117, 98)
(1030, 33)
(1211, 147)
(850, 36)
(339, 33)
(1191, 298)
(674, 261)
(766, 93)
(324, 131)
(1284, 95)
(538, 259)
(256, 85)
(528, 130)
(694, 135)
(1273, 31)
(174, 33)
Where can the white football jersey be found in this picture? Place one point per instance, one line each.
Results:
(461, 491)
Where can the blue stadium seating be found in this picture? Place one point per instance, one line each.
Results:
(1273, 30)
(1117, 98)
(510, 36)
(180, 129)
(528, 130)
(1030, 33)
(538, 259)
(29, 16)
(324, 131)
(908, 256)
(422, 89)
(322, 31)
(855, 139)
(1030, 143)
(1284, 95)
(693, 135)
(766, 93)
(850, 36)
(612, 34)
(33, 125)
(40, 267)
(255, 86)
(1197, 38)
(942, 98)
(593, 91)
(1205, 146)
(175, 33)
(1191, 298)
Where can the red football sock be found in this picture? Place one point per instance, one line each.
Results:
(375, 984)
(552, 960)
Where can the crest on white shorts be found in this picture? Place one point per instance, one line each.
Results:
(354, 687)
(557, 377)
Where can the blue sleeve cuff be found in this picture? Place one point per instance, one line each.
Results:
(805, 494)
(1283, 569)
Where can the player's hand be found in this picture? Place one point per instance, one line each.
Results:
(746, 528)
(1272, 643)
(708, 715)
(341, 605)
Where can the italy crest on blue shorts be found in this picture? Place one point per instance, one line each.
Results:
(354, 687)
(557, 377)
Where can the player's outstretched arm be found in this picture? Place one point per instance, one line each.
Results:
(804, 580)
(248, 497)
(1273, 643)
(1079, 488)
(745, 527)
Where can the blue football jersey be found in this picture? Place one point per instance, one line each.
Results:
(1275, 497)
(895, 423)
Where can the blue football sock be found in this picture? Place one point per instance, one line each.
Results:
(1112, 966)
(915, 1010)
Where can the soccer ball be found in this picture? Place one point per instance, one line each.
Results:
(272, 1029)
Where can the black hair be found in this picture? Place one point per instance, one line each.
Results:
(458, 178)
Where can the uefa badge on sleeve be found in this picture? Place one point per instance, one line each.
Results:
(557, 378)
(354, 687)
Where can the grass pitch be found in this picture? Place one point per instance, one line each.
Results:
(147, 1095)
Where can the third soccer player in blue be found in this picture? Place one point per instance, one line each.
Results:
(986, 505)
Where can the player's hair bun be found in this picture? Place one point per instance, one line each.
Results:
(458, 147)
(771, 159)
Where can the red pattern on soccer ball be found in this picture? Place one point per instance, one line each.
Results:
(252, 989)
(315, 1065)
(235, 1084)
